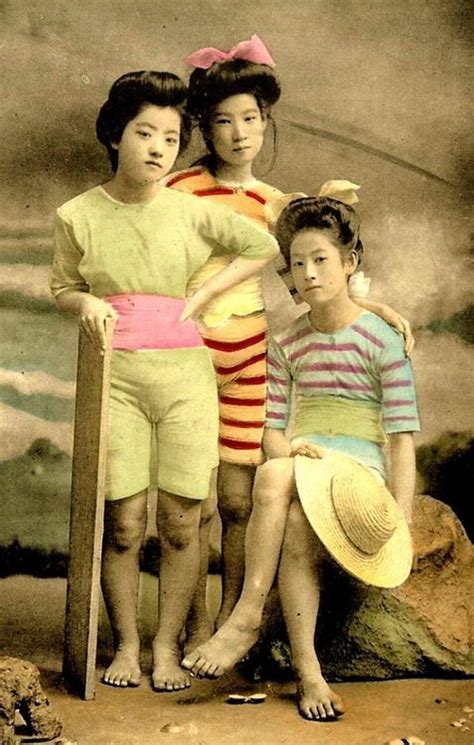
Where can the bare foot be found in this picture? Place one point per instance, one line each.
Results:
(223, 650)
(167, 674)
(317, 701)
(125, 668)
(197, 634)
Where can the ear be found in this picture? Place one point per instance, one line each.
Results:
(114, 145)
(352, 262)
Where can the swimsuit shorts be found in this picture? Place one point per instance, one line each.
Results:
(239, 354)
(166, 398)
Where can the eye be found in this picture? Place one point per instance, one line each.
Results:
(297, 262)
(172, 140)
(251, 118)
(320, 259)
(143, 133)
(222, 120)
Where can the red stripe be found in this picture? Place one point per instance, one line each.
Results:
(256, 196)
(241, 401)
(237, 445)
(255, 380)
(244, 425)
(223, 370)
(182, 176)
(234, 346)
(213, 191)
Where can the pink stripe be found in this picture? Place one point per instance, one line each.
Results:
(274, 364)
(400, 419)
(299, 335)
(394, 365)
(152, 322)
(331, 367)
(369, 336)
(398, 402)
(397, 384)
(275, 415)
(278, 381)
(335, 384)
(321, 347)
(277, 399)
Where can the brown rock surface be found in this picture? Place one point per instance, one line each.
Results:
(20, 690)
(423, 628)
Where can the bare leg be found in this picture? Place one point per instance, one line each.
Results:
(273, 491)
(178, 530)
(199, 627)
(125, 523)
(299, 586)
(234, 489)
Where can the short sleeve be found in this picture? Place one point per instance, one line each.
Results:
(399, 406)
(279, 384)
(230, 233)
(67, 255)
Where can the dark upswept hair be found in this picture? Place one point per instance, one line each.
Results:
(207, 88)
(129, 94)
(320, 213)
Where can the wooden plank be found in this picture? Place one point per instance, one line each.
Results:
(87, 516)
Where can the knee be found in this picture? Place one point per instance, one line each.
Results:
(177, 532)
(208, 511)
(274, 482)
(125, 534)
(235, 507)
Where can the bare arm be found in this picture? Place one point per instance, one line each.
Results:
(92, 312)
(237, 271)
(391, 316)
(402, 470)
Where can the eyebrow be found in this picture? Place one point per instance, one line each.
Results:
(219, 112)
(152, 126)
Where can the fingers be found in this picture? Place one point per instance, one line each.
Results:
(94, 327)
(309, 450)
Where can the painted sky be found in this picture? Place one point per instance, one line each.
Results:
(373, 92)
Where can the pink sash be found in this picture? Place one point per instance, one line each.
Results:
(152, 322)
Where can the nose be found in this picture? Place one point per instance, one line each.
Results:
(156, 147)
(238, 131)
(310, 271)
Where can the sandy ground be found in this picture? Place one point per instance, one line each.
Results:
(31, 626)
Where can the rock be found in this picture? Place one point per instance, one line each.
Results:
(20, 690)
(422, 628)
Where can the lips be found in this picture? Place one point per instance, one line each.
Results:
(153, 163)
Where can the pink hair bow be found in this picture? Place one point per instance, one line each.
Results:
(252, 50)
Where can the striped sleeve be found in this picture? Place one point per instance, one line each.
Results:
(279, 383)
(399, 406)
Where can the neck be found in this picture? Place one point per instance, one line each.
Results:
(334, 315)
(126, 190)
(236, 174)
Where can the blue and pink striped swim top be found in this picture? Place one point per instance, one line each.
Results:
(349, 388)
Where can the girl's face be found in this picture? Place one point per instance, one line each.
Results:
(149, 144)
(319, 271)
(236, 130)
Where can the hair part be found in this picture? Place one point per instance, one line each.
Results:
(320, 213)
(208, 88)
(129, 95)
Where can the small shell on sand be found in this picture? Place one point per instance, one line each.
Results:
(411, 740)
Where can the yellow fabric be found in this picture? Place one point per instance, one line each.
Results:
(247, 297)
(330, 415)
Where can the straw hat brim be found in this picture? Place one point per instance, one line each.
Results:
(391, 565)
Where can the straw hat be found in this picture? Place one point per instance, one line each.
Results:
(356, 518)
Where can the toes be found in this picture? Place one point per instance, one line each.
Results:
(191, 659)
